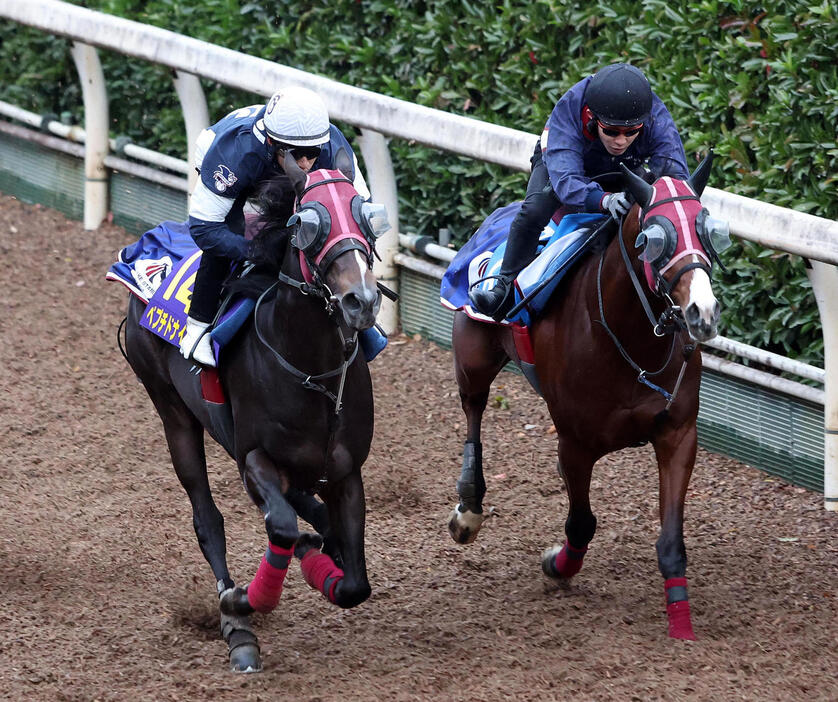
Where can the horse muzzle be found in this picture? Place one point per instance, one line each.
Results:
(702, 324)
(360, 306)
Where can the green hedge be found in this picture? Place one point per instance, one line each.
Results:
(759, 85)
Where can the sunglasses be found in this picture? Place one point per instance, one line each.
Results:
(617, 131)
(298, 152)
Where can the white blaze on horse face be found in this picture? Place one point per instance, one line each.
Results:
(362, 268)
(701, 295)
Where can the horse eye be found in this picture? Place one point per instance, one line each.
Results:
(375, 216)
(653, 241)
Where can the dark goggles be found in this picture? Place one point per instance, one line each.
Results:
(298, 152)
(610, 131)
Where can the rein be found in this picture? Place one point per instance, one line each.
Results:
(670, 322)
(309, 380)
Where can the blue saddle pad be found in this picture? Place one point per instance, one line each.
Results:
(168, 253)
(482, 257)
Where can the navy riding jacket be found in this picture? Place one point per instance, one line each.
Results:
(573, 154)
(234, 159)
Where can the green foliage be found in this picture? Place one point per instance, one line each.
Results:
(761, 85)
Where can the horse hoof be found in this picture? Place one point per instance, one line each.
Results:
(463, 526)
(242, 644)
(548, 560)
(246, 658)
(234, 603)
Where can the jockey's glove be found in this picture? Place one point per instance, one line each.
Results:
(616, 204)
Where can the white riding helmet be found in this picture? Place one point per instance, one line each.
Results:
(297, 116)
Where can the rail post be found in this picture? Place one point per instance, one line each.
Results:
(383, 190)
(824, 279)
(96, 133)
(193, 104)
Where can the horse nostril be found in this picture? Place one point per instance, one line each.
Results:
(351, 303)
(692, 314)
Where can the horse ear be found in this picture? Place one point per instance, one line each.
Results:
(701, 174)
(343, 162)
(642, 191)
(295, 174)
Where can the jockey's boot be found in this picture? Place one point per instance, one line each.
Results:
(494, 303)
(195, 343)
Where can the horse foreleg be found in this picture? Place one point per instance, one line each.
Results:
(264, 483)
(347, 586)
(676, 457)
(575, 467)
(478, 358)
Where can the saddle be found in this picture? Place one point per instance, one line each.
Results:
(480, 260)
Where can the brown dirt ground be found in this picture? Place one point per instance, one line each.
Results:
(106, 595)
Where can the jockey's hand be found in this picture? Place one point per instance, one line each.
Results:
(616, 204)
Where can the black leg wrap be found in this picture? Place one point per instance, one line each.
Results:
(242, 644)
(677, 593)
(471, 487)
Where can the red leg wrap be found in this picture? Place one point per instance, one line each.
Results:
(678, 612)
(265, 589)
(569, 560)
(320, 571)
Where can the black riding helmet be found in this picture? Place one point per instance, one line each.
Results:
(619, 95)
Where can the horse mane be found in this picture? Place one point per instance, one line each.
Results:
(275, 202)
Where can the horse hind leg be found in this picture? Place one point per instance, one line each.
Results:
(185, 439)
(561, 563)
(478, 358)
(186, 446)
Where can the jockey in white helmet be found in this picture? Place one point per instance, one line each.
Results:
(234, 157)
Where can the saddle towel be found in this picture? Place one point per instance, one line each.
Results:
(160, 269)
(482, 257)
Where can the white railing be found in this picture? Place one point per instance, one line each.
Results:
(377, 115)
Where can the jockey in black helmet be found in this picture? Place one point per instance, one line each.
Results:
(606, 119)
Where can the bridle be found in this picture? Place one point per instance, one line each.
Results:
(670, 322)
(316, 258)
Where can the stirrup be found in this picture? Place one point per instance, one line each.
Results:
(494, 303)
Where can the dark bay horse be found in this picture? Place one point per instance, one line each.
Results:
(300, 403)
(617, 369)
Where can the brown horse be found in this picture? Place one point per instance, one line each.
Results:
(615, 368)
(299, 417)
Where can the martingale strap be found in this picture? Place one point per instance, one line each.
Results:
(658, 329)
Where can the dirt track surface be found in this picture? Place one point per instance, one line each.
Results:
(106, 595)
